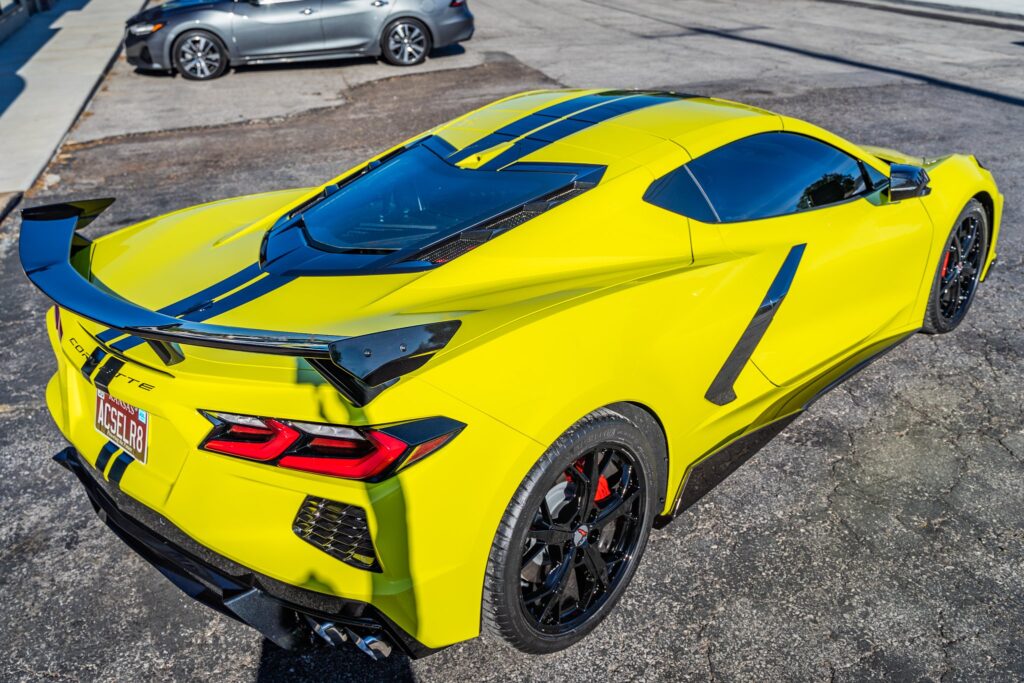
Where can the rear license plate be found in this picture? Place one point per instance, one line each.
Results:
(124, 424)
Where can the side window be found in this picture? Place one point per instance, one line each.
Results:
(678, 192)
(773, 174)
(876, 178)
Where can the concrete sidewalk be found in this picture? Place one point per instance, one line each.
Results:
(48, 70)
(1013, 8)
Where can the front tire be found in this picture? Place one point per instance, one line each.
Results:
(572, 536)
(405, 42)
(199, 56)
(958, 271)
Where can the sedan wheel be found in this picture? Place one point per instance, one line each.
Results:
(406, 42)
(200, 56)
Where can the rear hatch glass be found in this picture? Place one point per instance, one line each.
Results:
(417, 197)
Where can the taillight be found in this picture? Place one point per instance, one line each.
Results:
(57, 323)
(365, 453)
(457, 3)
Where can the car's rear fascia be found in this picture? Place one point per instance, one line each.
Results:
(431, 524)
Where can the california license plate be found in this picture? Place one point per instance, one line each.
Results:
(124, 424)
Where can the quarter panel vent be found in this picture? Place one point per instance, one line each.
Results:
(338, 529)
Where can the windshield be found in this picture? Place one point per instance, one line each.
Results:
(417, 197)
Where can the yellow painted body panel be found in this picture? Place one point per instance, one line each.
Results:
(605, 298)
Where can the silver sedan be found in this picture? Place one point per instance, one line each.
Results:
(200, 39)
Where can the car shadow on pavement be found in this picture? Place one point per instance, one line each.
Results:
(324, 664)
(440, 53)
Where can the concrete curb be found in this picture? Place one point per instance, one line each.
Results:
(8, 200)
(972, 16)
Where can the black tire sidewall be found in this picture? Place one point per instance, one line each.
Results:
(390, 58)
(176, 46)
(934, 321)
(602, 427)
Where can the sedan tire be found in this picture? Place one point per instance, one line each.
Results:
(199, 56)
(406, 42)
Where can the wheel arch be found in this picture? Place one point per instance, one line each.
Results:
(990, 210)
(408, 14)
(197, 26)
(638, 413)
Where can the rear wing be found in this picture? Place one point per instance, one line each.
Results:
(55, 258)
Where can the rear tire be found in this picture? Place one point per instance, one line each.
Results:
(570, 541)
(406, 42)
(958, 271)
(199, 56)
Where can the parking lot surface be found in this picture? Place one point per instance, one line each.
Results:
(881, 536)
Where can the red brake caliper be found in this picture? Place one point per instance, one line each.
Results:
(602, 483)
(945, 264)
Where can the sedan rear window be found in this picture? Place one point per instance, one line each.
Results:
(417, 197)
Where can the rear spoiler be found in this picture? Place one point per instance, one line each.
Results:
(359, 367)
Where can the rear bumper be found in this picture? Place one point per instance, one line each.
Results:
(281, 612)
(456, 27)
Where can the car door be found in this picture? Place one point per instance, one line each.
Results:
(353, 24)
(858, 275)
(277, 27)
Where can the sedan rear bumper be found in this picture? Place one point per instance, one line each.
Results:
(283, 613)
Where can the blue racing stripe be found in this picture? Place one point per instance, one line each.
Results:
(187, 305)
(522, 126)
(582, 112)
(118, 468)
(574, 124)
(239, 298)
(104, 457)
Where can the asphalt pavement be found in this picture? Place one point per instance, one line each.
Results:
(880, 537)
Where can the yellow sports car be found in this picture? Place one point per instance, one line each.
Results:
(452, 389)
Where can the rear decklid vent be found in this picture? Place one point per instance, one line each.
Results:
(470, 239)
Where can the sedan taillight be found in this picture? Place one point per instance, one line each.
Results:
(364, 453)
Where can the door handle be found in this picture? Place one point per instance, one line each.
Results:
(379, 3)
(307, 11)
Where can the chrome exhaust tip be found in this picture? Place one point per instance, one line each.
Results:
(374, 647)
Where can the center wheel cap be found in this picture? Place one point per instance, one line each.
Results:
(581, 535)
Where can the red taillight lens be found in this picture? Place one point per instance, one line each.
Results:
(457, 3)
(253, 442)
(57, 323)
(331, 450)
(382, 452)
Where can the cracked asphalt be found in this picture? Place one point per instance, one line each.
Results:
(879, 537)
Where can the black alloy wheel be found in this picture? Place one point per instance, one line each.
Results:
(959, 270)
(583, 536)
(575, 531)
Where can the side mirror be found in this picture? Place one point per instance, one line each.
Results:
(907, 182)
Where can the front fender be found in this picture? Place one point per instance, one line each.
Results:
(955, 180)
(212, 21)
